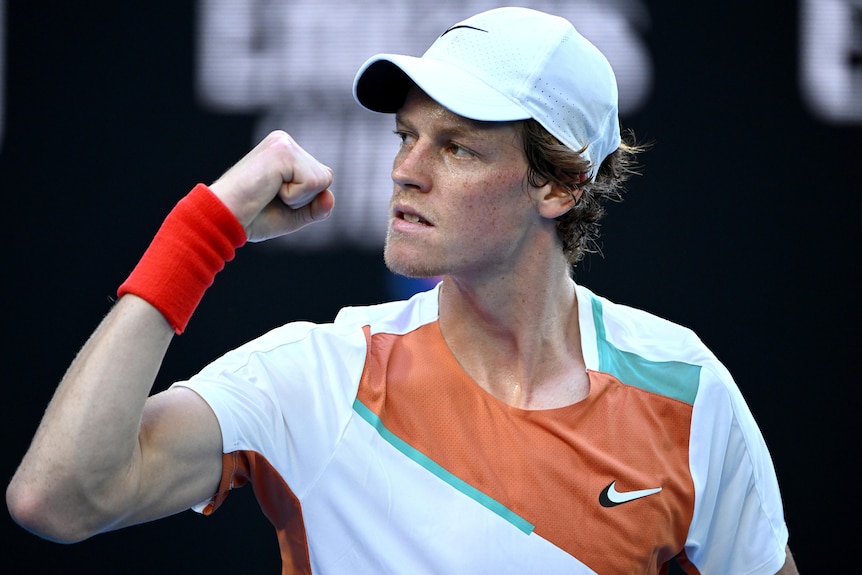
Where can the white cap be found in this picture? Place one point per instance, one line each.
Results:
(508, 64)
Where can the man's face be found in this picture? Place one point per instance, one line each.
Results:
(461, 204)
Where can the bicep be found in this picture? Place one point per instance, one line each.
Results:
(179, 460)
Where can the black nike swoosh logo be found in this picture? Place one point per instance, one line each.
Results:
(462, 26)
(610, 497)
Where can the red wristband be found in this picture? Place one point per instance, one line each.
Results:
(191, 247)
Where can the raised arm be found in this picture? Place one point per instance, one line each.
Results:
(107, 455)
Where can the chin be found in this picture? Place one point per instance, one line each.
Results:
(410, 269)
(409, 266)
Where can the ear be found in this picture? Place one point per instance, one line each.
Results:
(556, 199)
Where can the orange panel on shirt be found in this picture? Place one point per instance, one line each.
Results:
(547, 466)
(277, 501)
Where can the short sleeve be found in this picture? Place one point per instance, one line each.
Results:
(285, 397)
(738, 523)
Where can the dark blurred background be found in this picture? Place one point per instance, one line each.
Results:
(745, 227)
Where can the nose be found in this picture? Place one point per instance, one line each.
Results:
(411, 168)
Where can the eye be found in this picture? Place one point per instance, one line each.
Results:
(405, 137)
(459, 151)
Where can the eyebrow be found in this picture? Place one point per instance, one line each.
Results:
(463, 127)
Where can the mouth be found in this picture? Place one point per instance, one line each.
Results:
(411, 217)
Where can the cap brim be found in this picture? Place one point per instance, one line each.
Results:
(382, 83)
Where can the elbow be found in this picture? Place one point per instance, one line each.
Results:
(39, 514)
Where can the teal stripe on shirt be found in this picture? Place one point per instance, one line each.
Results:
(675, 379)
(440, 472)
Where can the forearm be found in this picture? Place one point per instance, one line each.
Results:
(80, 469)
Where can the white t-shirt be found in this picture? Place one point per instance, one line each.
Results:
(373, 452)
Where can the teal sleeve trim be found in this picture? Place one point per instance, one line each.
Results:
(440, 472)
(675, 379)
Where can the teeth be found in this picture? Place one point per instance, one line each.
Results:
(412, 218)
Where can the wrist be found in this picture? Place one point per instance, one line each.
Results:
(193, 244)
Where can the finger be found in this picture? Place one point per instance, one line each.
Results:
(322, 205)
(278, 219)
(319, 208)
(309, 179)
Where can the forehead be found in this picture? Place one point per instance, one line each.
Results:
(419, 106)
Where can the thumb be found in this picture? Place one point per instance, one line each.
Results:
(319, 208)
(278, 218)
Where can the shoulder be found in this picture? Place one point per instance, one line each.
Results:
(396, 317)
(645, 350)
(638, 328)
(344, 340)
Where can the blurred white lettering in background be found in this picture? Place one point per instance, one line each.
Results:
(831, 59)
(293, 62)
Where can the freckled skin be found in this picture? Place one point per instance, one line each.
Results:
(468, 180)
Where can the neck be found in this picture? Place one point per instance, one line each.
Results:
(518, 337)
